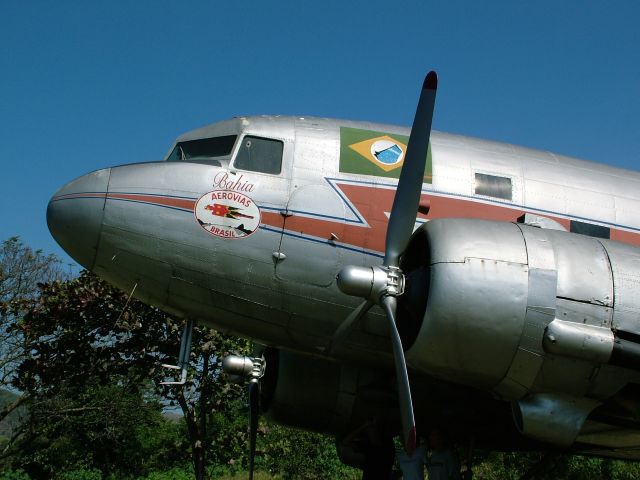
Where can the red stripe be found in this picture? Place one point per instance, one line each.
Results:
(372, 203)
(187, 204)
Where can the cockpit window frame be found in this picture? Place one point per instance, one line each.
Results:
(241, 141)
(207, 159)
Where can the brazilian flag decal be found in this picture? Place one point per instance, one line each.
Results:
(379, 154)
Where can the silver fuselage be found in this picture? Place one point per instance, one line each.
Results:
(270, 276)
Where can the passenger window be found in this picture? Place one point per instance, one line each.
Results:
(590, 229)
(258, 154)
(493, 186)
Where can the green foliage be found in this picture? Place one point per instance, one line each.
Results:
(85, 338)
(10, 420)
(80, 474)
(21, 270)
(244, 475)
(299, 454)
(75, 334)
(87, 380)
(228, 438)
(14, 475)
(175, 473)
(499, 466)
(93, 428)
(503, 466)
(620, 470)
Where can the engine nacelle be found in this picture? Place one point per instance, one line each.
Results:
(316, 394)
(492, 291)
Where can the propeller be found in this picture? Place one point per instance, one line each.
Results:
(254, 409)
(381, 285)
(254, 368)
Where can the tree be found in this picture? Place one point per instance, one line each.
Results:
(97, 427)
(85, 332)
(205, 395)
(21, 270)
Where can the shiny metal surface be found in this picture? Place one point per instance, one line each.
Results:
(356, 281)
(584, 342)
(494, 286)
(503, 291)
(584, 272)
(370, 283)
(540, 310)
(541, 222)
(625, 265)
(477, 300)
(237, 365)
(75, 214)
(552, 418)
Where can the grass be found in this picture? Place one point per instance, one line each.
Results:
(256, 476)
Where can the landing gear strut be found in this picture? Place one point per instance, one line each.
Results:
(183, 359)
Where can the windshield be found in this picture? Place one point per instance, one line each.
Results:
(203, 148)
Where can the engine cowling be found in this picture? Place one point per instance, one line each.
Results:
(476, 299)
(522, 311)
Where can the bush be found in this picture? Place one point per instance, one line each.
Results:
(176, 473)
(14, 475)
(80, 474)
(300, 454)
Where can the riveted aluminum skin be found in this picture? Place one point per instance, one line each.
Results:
(584, 272)
(495, 288)
(552, 418)
(541, 308)
(625, 265)
(77, 225)
(585, 342)
(476, 302)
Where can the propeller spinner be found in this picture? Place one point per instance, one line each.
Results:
(382, 284)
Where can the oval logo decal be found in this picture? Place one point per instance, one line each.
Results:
(227, 214)
(387, 152)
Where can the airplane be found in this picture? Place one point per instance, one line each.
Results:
(398, 280)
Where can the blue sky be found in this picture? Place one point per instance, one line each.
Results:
(85, 85)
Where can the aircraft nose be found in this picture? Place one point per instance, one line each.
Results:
(74, 215)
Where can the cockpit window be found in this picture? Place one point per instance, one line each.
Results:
(259, 154)
(203, 149)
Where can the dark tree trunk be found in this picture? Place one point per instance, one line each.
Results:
(195, 438)
(197, 418)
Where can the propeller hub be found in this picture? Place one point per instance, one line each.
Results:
(371, 283)
(240, 366)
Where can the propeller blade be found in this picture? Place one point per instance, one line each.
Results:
(405, 203)
(254, 406)
(389, 304)
(347, 325)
